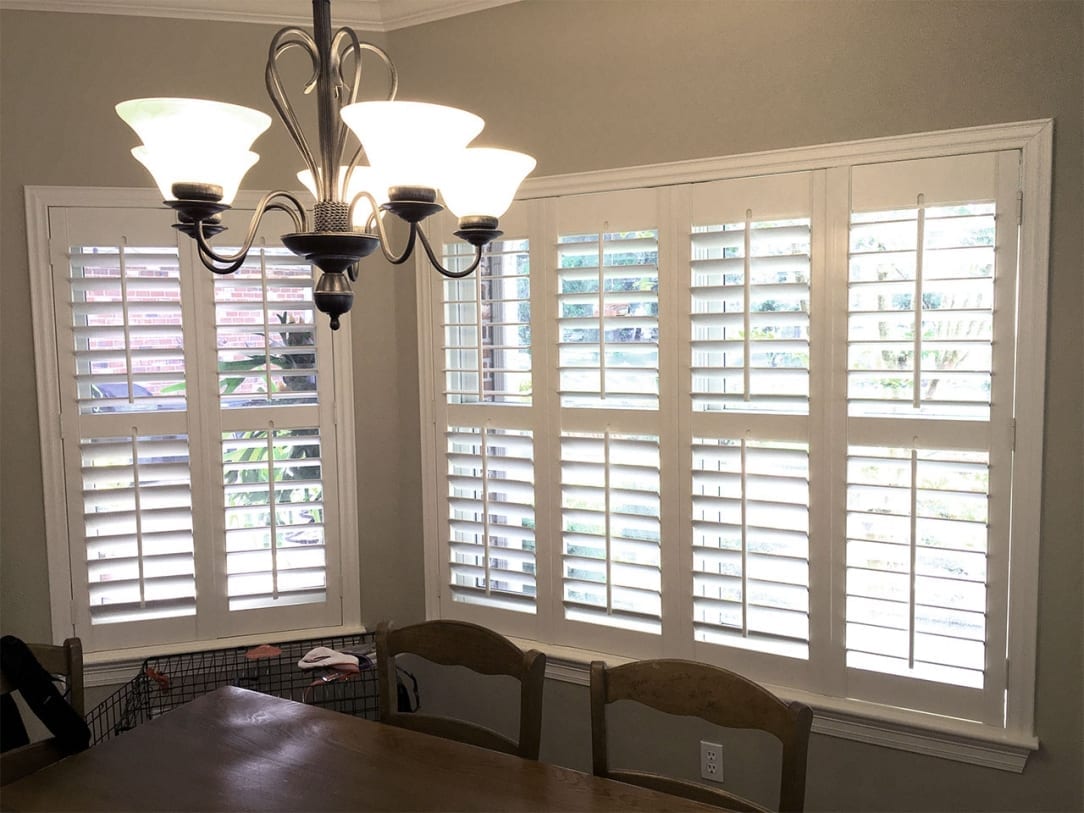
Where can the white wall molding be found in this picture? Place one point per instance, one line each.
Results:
(367, 15)
(985, 138)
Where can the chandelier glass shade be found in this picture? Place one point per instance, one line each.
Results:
(371, 158)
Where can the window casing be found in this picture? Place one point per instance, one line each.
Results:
(190, 431)
(744, 451)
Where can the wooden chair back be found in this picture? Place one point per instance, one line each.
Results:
(457, 643)
(66, 661)
(711, 693)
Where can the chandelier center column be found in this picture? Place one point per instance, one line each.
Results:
(327, 105)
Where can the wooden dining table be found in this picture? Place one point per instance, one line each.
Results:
(238, 750)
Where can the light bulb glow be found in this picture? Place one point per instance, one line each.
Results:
(410, 143)
(218, 168)
(363, 179)
(194, 140)
(483, 181)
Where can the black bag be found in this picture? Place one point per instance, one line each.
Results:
(36, 686)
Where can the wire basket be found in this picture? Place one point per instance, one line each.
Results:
(166, 682)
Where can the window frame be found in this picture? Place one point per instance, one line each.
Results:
(1002, 747)
(112, 661)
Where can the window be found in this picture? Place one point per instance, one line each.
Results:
(773, 417)
(195, 451)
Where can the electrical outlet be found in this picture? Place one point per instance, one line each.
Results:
(711, 761)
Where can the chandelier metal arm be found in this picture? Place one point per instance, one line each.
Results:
(227, 264)
(359, 47)
(375, 221)
(437, 265)
(284, 40)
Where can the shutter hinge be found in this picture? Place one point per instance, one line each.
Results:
(1019, 207)
(1012, 434)
(1006, 674)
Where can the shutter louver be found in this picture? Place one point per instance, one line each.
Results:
(266, 332)
(608, 320)
(916, 563)
(610, 508)
(751, 544)
(486, 321)
(750, 315)
(491, 517)
(920, 337)
(137, 511)
(274, 496)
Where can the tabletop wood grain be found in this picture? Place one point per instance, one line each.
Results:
(237, 750)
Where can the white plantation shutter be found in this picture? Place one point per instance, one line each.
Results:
(276, 551)
(137, 523)
(124, 393)
(608, 302)
(485, 463)
(610, 530)
(750, 532)
(487, 322)
(916, 563)
(769, 425)
(126, 328)
(491, 517)
(279, 536)
(750, 294)
(265, 324)
(932, 253)
(159, 551)
(749, 305)
(921, 310)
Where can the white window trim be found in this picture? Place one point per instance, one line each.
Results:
(1003, 748)
(39, 199)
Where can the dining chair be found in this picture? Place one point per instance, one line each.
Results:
(713, 694)
(458, 643)
(65, 661)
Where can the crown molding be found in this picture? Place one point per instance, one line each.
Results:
(368, 15)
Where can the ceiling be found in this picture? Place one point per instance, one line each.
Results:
(368, 15)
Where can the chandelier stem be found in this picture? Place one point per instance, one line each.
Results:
(327, 107)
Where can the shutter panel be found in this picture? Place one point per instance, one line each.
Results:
(750, 540)
(491, 546)
(916, 563)
(274, 496)
(120, 318)
(266, 331)
(610, 509)
(275, 465)
(750, 295)
(487, 325)
(921, 305)
(608, 319)
(126, 328)
(931, 256)
(137, 512)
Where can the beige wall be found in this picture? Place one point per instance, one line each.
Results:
(587, 85)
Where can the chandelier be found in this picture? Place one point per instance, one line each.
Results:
(198, 151)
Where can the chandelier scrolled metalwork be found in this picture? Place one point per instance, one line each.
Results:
(407, 155)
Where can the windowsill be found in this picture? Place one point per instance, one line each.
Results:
(902, 729)
(117, 666)
(888, 727)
